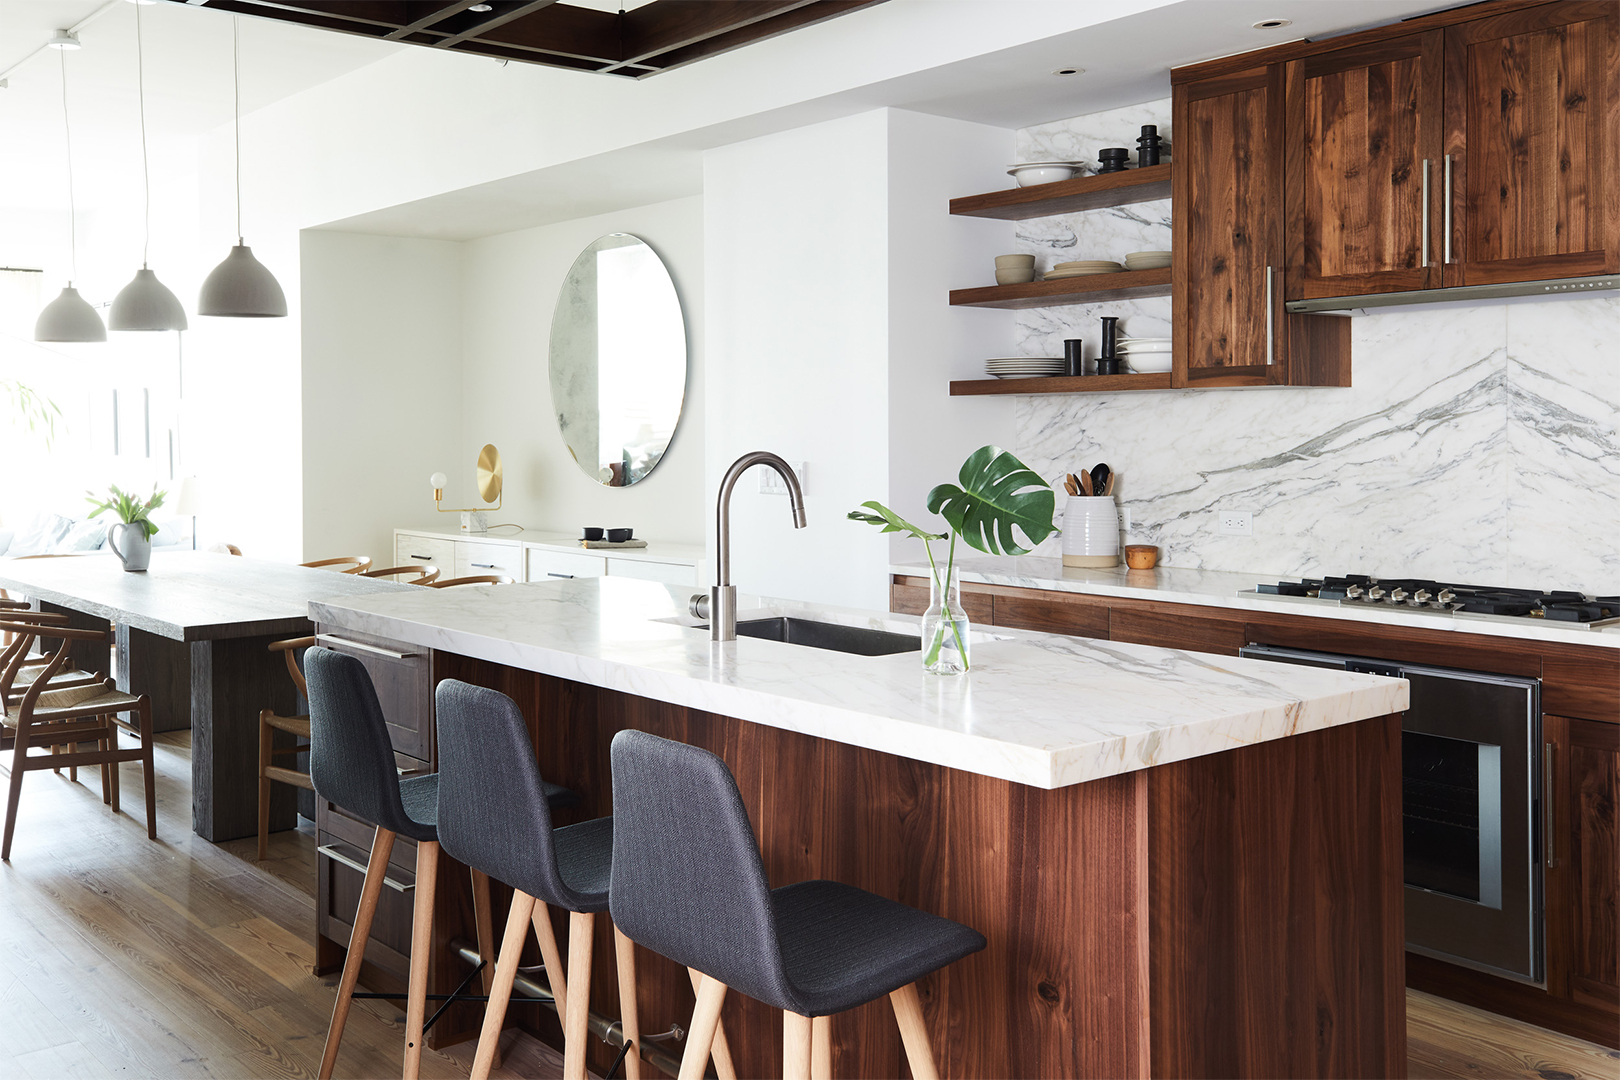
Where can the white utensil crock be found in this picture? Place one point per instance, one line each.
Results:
(1090, 531)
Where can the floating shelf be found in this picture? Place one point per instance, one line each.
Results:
(1069, 196)
(1090, 289)
(1061, 384)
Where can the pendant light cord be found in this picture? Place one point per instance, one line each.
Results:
(73, 209)
(146, 175)
(236, 82)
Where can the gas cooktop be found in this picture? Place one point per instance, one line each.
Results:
(1457, 601)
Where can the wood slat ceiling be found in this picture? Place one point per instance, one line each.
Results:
(654, 37)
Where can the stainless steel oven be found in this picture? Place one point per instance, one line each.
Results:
(1471, 803)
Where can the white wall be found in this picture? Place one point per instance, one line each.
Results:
(509, 287)
(381, 387)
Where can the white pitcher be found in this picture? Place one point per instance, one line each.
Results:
(1090, 531)
(131, 544)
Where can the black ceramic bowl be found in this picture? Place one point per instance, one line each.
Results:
(619, 536)
(593, 534)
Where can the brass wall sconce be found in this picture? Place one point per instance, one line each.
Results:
(474, 519)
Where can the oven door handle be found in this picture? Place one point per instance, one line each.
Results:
(1547, 799)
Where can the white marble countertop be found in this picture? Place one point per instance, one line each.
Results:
(1234, 591)
(1037, 709)
(188, 595)
(660, 551)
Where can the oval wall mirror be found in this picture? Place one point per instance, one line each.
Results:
(618, 360)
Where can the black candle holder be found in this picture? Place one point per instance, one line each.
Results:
(1107, 361)
(1114, 159)
(1074, 356)
(1148, 146)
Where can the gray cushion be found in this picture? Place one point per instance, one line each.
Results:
(39, 535)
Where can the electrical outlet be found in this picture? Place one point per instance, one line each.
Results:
(1236, 523)
(1124, 519)
(770, 481)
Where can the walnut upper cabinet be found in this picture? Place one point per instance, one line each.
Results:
(1227, 282)
(1533, 142)
(1364, 163)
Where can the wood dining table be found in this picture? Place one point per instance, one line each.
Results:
(193, 633)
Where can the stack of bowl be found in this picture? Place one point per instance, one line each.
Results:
(1147, 260)
(1015, 269)
(1082, 267)
(1144, 354)
(1030, 173)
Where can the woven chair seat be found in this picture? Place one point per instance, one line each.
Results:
(78, 701)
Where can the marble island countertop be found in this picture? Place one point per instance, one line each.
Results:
(1235, 591)
(1037, 709)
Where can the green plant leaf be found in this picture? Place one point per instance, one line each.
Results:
(890, 522)
(997, 492)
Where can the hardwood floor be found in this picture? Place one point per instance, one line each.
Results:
(119, 956)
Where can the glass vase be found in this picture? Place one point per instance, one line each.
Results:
(945, 625)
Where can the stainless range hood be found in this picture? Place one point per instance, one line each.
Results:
(1352, 305)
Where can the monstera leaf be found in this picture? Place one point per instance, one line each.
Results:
(997, 491)
(891, 521)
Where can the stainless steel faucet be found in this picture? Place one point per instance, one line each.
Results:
(719, 606)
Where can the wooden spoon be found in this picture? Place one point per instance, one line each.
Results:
(1085, 483)
(1070, 485)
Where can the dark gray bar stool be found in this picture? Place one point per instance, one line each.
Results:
(351, 762)
(687, 882)
(494, 816)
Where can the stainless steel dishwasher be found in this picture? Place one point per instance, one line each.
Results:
(1471, 789)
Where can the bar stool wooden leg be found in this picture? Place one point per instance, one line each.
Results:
(576, 1024)
(517, 928)
(705, 1019)
(913, 1032)
(267, 737)
(484, 923)
(796, 1031)
(724, 1068)
(552, 957)
(821, 1048)
(427, 876)
(381, 847)
(630, 1024)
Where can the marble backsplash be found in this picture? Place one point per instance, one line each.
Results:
(1477, 444)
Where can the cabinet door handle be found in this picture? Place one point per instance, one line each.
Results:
(1445, 214)
(1425, 211)
(1547, 798)
(335, 642)
(483, 565)
(1270, 319)
(337, 856)
(553, 573)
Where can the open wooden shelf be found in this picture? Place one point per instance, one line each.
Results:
(1090, 289)
(1061, 384)
(1069, 196)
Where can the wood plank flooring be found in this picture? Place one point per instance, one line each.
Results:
(121, 957)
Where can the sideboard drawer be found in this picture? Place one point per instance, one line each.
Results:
(412, 550)
(545, 565)
(475, 559)
(668, 573)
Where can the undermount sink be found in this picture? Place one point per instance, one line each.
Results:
(858, 640)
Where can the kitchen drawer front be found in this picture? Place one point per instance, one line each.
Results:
(546, 565)
(411, 550)
(403, 677)
(668, 573)
(475, 558)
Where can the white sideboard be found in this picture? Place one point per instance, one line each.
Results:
(539, 556)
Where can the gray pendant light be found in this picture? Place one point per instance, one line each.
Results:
(145, 303)
(69, 317)
(241, 287)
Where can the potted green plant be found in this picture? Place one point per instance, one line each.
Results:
(995, 492)
(131, 538)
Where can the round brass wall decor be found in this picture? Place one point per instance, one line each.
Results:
(489, 473)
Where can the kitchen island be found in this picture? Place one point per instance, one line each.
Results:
(1184, 864)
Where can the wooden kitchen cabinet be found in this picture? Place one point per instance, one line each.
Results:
(1533, 142)
(1226, 290)
(1583, 862)
(1364, 159)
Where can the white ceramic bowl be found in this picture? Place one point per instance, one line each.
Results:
(1146, 362)
(1030, 175)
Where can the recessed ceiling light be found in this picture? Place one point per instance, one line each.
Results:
(481, 8)
(1271, 24)
(64, 39)
(1070, 71)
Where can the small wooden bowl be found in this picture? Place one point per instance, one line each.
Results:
(1141, 556)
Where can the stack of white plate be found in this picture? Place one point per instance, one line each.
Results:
(1082, 267)
(1147, 260)
(1145, 354)
(1025, 367)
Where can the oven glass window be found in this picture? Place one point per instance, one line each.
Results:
(1440, 786)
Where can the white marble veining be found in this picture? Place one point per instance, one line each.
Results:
(1477, 444)
(1037, 709)
(1235, 591)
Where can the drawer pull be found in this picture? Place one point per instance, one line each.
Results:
(483, 565)
(553, 573)
(335, 642)
(424, 558)
(337, 856)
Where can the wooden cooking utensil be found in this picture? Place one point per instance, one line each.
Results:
(1069, 484)
(1085, 483)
